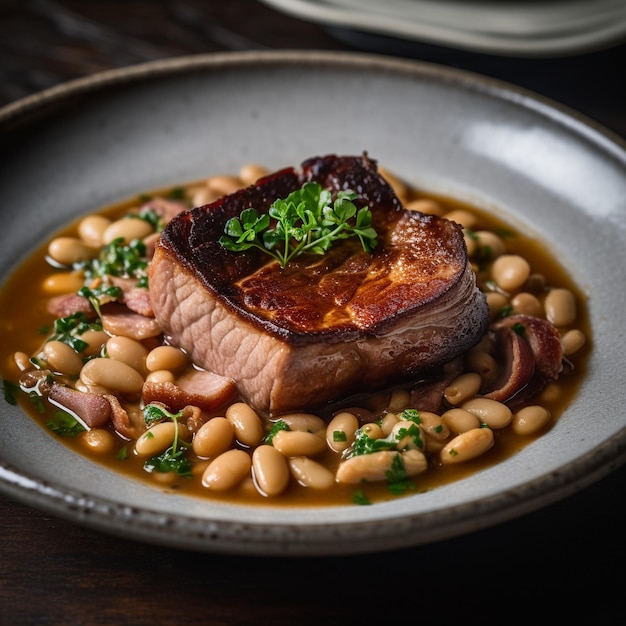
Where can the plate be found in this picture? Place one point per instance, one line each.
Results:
(80, 146)
(514, 28)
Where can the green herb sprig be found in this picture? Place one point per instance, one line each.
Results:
(174, 459)
(307, 221)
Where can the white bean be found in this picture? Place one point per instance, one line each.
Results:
(490, 245)
(97, 440)
(387, 423)
(227, 470)
(462, 217)
(298, 443)
(111, 374)
(482, 363)
(467, 445)
(496, 302)
(95, 340)
(572, 341)
(491, 412)
(510, 271)
(223, 183)
(166, 358)
(246, 422)
(408, 435)
(251, 172)
(127, 228)
(62, 358)
(70, 250)
(372, 430)
(271, 471)
(460, 421)
(63, 282)
(213, 437)
(527, 304)
(160, 376)
(462, 388)
(375, 467)
(129, 351)
(305, 422)
(310, 473)
(399, 400)
(340, 433)
(159, 437)
(436, 431)
(427, 206)
(530, 420)
(560, 306)
(91, 229)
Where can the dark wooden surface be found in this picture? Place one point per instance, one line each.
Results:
(564, 561)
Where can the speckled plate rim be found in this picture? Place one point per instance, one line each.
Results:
(341, 531)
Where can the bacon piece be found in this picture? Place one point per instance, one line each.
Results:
(206, 390)
(530, 353)
(137, 299)
(118, 319)
(128, 425)
(166, 209)
(69, 304)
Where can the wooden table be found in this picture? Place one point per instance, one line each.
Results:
(566, 559)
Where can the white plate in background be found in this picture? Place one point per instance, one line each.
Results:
(512, 28)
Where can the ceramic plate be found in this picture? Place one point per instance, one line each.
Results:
(83, 145)
(547, 28)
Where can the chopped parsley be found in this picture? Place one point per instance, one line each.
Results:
(10, 391)
(69, 330)
(358, 497)
(64, 424)
(277, 427)
(119, 259)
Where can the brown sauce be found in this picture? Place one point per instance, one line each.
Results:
(23, 306)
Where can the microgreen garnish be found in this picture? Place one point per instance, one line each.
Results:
(306, 221)
(155, 412)
(174, 459)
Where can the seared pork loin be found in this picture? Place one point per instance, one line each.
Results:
(324, 327)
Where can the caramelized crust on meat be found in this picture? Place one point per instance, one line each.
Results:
(324, 326)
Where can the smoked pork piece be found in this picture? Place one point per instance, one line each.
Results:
(325, 327)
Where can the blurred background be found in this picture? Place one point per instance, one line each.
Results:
(573, 51)
(569, 554)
